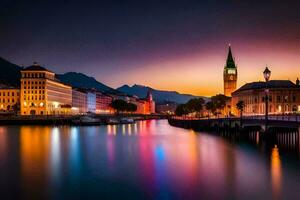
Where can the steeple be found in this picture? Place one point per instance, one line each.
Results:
(230, 61)
(149, 95)
(297, 81)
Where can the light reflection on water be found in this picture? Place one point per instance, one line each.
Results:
(147, 160)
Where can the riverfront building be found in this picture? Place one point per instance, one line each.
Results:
(284, 97)
(42, 94)
(9, 99)
(91, 101)
(103, 102)
(230, 75)
(79, 101)
(144, 106)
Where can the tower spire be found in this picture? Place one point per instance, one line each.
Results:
(230, 61)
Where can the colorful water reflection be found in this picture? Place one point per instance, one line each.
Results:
(146, 160)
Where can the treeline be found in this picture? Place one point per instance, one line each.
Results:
(197, 106)
(122, 106)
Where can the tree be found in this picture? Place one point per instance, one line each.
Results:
(240, 106)
(131, 107)
(119, 105)
(195, 105)
(219, 102)
(210, 107)
(181, 109)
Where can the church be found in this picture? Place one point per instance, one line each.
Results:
(230, 74)
(283, 95)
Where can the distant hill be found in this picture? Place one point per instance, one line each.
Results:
(83, 81)
(10, 73)
(158, 95)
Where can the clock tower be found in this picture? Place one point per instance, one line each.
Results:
(230, 75)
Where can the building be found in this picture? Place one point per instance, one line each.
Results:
(230, 75)
(283, 95)
(166, 107)
(150, 103)
(103, 102)
(42, 94)
(144, 106)
(79, 101)
(91, 101)
(9, 99)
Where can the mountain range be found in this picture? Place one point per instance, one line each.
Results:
(11, 73)
(159, 96)
(80, 80)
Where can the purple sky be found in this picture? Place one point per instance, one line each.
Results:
(175, 46)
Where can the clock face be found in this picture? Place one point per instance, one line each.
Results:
(231, 71)
(231, 77)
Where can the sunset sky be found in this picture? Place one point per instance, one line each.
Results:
(173, 46)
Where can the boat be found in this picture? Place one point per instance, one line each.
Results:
(114, 121)
(86, 120)
(127, 121)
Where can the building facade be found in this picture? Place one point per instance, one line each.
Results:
(166, 108)
(283, 96)
(9, 99)
(145, 106)
(230, 74)
(103, 102)
(79, 101)
(42, 94)
(91, 102)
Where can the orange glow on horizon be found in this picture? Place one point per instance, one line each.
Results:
(202, 73)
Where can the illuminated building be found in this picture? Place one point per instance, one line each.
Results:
(284, 97)
(9, 98)
(79, 101)
(91, 101)
(229, 75)
(42, 94)
(144, 106)
(166, 107)
(103, 102)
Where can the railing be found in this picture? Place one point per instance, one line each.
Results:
(286, 117)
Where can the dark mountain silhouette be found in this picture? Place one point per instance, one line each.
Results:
(158, 95)
(80, 80)
(10, 73)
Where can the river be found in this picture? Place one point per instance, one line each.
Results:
(146, 160)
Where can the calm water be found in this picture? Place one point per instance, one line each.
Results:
(149, 160)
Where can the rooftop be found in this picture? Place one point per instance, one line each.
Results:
(272, 84)
(35, 67)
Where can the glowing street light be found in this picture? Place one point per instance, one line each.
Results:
(267, 75)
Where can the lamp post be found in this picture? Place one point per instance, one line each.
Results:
(267, 74)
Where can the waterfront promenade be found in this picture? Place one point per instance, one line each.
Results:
(68, 119)
(286, 122)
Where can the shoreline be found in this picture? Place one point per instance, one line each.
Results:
(70, 120)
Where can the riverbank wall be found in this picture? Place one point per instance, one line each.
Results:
(68, 120)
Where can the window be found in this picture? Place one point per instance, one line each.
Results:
(278, 99)
(294, 98)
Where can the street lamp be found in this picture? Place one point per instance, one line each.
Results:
(267, 74)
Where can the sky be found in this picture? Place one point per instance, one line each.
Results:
(169, 45)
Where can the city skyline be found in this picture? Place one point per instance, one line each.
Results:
(173, 46)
